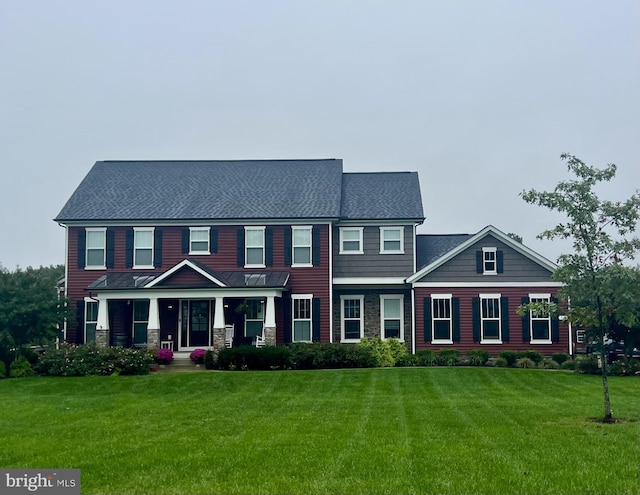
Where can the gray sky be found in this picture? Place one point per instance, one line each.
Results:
(479, 97)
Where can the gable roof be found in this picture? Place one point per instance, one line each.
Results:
(381, 196)
(192, 190)
(470, 240)
(430, 247)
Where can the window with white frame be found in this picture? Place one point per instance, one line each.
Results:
(489, 261)
(95, 248)
(441, 320)
(254, 246)
(351, 240)
(391, 240)
(199, 240)
(143, 248)
(352, 318)
(392, 316)
(580, 336)
(301, 313)
(540, 321)
(490, 318)
(90, 320)
(140, 321)
(301, 246)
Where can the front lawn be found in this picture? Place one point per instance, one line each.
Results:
(380, 431)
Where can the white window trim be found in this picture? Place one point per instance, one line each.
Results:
(200, 229)
(493, 250)
(293, 245)
(153, 248)
(104, 249)
(580, 336)
(264, 247)
(295, 297)
(84, 327)
(342, 326)
(546, 296)
(391, 251)
(136, 302)
(383, 297)
(435, 297)
(361, 240)
(499, 339)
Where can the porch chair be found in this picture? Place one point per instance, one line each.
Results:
(228, 335)
(260, 340)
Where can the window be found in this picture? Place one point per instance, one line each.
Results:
(351, 240)
(580, 336)
(90, 321)
(489, 261)
(392, 316)
(254, 246)
(143, 248)
(351, 308)
(441, 323)
(199, 240)
(391, 240)
(540, 321)
(96, 248)
(490, 318)
(301, 247)
(140, 322)
(301, 318)
(254, 317)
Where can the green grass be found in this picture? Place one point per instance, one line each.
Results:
(381, 431)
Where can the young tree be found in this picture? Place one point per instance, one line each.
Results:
(601, 233)
(30, 310)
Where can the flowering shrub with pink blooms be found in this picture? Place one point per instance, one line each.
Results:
(164, 356)
(197, 356)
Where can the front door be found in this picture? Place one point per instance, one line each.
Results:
(195, 324)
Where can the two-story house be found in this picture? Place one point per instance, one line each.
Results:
(188, 254)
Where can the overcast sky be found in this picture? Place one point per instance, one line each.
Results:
(479, 97)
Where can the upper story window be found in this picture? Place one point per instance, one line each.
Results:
(489, 261)
(301, 246)
(351, 240)
(199, 240)
(254, 247)
(143, 247)
(96, 248)
(391, 240)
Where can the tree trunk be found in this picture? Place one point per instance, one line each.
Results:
(608, 416)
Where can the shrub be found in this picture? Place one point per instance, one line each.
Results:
(197, 356)
(535, 356)
(510, 357)
(449, 357)
(407, 361)
(625, 367)
(478, 357)
(20, 368)
(253, 358)
(209, 359)
(525, 362)
(569, 364)
(550, 364)
(588, 365)
(560, 357)
(87, 359)
(501, 362)
(427, 358)
(164, 356)
(385, 353)
(3, 370)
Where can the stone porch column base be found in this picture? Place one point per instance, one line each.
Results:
(270, 335)
(219, 335)
(153, 338)
(102, 338)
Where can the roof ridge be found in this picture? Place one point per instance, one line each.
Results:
(223, 161)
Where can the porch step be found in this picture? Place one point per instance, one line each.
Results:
(181, 364)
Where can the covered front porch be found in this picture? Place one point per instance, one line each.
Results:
(152, 311)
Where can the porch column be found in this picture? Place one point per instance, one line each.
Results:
(270, 321)
(102, 325)
(218, 324)
(153, 325)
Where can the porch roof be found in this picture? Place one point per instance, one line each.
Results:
(231, 279)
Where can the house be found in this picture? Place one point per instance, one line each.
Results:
(188, 254)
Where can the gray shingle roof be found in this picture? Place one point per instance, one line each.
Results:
(430, 247)
(184, 190)
(386, 195)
